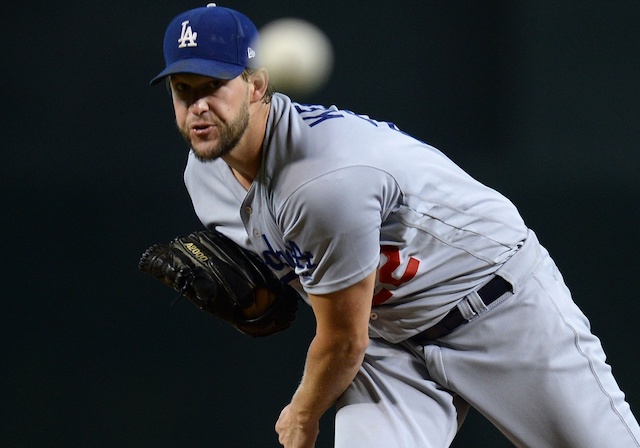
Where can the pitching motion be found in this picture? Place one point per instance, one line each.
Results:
(429, 292)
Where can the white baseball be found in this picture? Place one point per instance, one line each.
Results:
(297, 54)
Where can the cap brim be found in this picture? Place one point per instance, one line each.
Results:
(203, 67)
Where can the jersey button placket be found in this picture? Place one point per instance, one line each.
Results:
(249, 221)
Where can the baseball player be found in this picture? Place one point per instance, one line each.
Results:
(430, 293)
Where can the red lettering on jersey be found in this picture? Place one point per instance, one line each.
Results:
(381, 296)
(389, 267)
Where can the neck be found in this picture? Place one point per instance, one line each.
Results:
(246, 157)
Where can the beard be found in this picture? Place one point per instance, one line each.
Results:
(228, 137)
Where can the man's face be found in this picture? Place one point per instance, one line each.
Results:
(212, 114)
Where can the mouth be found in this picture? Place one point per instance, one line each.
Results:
(201, 129)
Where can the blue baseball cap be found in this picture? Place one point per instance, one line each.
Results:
(209, 41)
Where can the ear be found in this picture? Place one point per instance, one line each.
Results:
(260, 82)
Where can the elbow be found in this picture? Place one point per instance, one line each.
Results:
(354, 347)
(348, 346)
(361, 344)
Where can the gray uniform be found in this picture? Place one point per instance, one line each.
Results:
(339, 195)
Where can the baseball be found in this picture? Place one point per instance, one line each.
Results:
(297, 54)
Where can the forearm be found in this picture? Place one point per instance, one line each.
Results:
(332, 363)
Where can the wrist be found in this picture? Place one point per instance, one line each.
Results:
(302, 407)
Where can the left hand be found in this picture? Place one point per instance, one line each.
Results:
(293, 432)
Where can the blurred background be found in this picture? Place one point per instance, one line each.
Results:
(540, 100)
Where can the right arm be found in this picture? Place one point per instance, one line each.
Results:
(333, 360)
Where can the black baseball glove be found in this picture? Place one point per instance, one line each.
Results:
(224, 279)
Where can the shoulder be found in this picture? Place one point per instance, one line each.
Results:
(338, 195)
(316, 123)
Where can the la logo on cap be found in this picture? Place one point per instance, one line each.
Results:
(215, 42)
(187, 36)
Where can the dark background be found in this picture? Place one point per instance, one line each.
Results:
(537, 99)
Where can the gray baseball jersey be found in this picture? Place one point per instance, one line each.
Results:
(340, 194)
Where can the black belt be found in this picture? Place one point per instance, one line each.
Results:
(488, 293)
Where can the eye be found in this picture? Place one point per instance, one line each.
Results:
(180, 87)
(215, 84)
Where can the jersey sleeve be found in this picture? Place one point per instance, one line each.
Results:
(336, 217)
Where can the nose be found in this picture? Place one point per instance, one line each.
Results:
(200, 106)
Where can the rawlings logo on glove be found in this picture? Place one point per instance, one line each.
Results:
(224, 279)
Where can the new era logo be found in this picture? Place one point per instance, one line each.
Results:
(187, 36)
